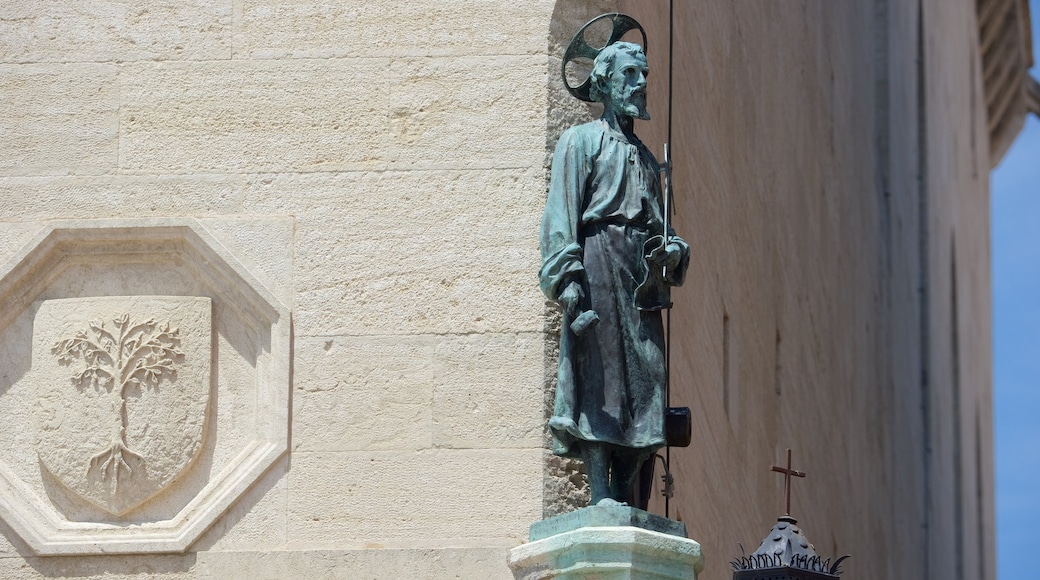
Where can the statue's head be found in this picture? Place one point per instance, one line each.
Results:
(619, 79)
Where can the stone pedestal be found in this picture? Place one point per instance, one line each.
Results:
(607, 543)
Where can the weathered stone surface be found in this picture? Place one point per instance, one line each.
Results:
(431, 98)
(14, 235)
(413, 392)
(123, 386)
(312, 29)
(158, 566)
(59, 119)
(371, 392)
(448, 298)
(422, 499)
(411, 252)
(566, 486)
(73, 196)
(114, 31)
(468, 27)
(492, 397)
(256, 521)
(262, 244)
(482, 560)
(232, 117)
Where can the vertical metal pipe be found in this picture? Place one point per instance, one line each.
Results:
(671, 208)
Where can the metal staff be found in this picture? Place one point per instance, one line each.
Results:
(667, 478)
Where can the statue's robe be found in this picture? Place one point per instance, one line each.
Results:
(604, 203)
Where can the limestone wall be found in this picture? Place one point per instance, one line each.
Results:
(356, 187)
(378, 169)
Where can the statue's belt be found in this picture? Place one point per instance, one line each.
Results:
(592, 227)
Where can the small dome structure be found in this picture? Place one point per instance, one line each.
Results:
(785, 554)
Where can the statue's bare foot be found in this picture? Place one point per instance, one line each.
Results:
(609, 501)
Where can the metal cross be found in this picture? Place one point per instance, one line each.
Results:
(788, 472)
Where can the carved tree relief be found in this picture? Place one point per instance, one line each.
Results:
(127, 356)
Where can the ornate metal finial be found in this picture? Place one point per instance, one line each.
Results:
(579, 48)
(786, 554)
(788, 473)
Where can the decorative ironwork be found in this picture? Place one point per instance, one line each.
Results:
(803, 562)
(785, 554)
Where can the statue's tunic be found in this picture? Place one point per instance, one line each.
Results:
(604, 203)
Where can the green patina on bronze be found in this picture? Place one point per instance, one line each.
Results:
(601, 240)
(612, 516)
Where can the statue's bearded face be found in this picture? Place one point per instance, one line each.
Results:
(628, 85)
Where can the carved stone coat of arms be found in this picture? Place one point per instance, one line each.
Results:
(123, 386)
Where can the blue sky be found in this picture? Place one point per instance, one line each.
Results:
(1015, 203)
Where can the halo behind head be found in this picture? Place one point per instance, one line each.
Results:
(580, 48)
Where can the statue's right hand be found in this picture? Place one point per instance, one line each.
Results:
(571, 297)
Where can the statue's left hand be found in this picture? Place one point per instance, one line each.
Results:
(667, 257)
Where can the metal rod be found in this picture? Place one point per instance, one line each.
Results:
(667, 209)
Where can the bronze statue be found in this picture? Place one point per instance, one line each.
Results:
(608, 258)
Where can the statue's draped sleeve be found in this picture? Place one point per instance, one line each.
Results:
(561, 222)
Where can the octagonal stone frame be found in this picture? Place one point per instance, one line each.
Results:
(26, 276)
